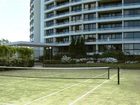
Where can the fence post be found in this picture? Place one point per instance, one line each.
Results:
(108, 73)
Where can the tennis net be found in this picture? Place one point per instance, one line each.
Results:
(61, 73)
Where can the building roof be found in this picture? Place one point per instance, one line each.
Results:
(29, 44)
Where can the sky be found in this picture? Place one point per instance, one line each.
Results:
(14, 20)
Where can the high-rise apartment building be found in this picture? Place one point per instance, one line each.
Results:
(105, 24)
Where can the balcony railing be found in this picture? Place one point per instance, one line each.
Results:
(109, 6)
(62, 33)
(132, 15)
(109, 40)
(95, 19)
(111, 28)
(62, 4)
(99, 41)
(109, 17)
(66, 13)
(62, 23)
(95, 30)
(100, 7)
(62, 13)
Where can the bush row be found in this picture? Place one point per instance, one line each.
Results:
(16, 56)
(17, 62)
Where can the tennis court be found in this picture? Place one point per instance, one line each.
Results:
(69, 87)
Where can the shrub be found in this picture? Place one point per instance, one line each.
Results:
(66, 59)
(57, 57)
(114, 54)
(12, 56)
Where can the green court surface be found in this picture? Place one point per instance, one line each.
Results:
(69, 87)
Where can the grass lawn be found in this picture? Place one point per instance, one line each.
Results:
(38, 87)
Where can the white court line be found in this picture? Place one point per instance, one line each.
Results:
(90, 91)
(59, 91)
(53, 93)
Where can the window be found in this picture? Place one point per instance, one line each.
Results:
(89, 27)
(76, 18)
(132, 49)
(49, 32)
(132, 23)
(90, 38)
(49, 23)
(90, 16)
(132, 12)
(110, 36)
(89, 6)
(132, 35)
(77, 28)
(50, 40)
(131, 1)
(77, 8)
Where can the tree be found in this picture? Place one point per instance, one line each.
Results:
(25, 53)
(8, 56)
(3, 41)
(81, 50)
(72, 48)
(119, 55)
(77, 48)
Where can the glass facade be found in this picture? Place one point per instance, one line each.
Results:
(132, 49)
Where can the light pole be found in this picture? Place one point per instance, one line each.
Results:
(50, 48)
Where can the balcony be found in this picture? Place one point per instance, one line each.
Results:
(63, 23)
(94, 31)
(62, 4)
(99, 42)
(59, 44)
(131, 40)
(114, 41)
(101, 8)
(62, 13)
(111, 41)
(111, 28)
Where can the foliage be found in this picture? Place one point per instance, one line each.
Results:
(12, 56)
(114, 54)
(3, 41)
(77, 48)
(25, 53)
(66, 59)
(7, 51)
(81, 60)
(72, 49)
(132, 58)
(45, 62)
(96, 56)
(57, 57)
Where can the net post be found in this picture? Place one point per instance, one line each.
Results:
(118, 76)
(109, 73)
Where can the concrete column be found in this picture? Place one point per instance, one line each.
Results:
(97, 26)
(122, 26)
(82, 18)
(54, 40)
(54, 19)
(70, 39)
(97, 49)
